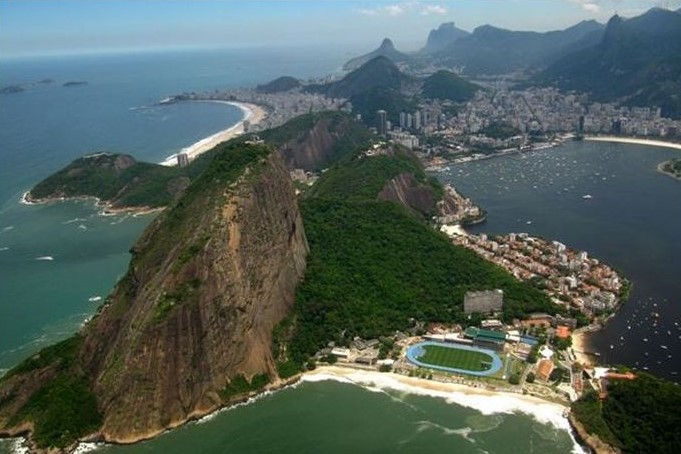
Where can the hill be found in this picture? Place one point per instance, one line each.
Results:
(379, 72)
(447, 85)
(188, 328)
(375, 85)
(313, 142)
(442, 37)
(118, 180)
(278, 85)
(375, 265)
(639, 415)
(637, 61)
(492, 50)
(386, 49)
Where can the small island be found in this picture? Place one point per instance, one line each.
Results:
(671, 168)
(74, 83)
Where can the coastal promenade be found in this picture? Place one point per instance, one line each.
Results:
(252, 113)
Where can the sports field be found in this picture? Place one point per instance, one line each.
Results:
(455, 358)
(462, 359)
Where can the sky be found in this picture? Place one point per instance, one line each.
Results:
(54, 27)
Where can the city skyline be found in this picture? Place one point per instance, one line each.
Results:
(71, 27)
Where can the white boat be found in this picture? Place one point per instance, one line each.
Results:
(45, 257)
(94, 299)
(587, 197)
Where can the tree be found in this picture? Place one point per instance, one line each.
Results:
(530, 377)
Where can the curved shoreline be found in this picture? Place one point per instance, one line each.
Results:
(486, 401)
(251, 112)
(634, 141)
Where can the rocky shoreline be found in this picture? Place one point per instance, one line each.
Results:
(106, 207)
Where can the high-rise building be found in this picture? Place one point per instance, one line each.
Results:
(409, 121)
(403, 120)
(182, 159)
(417, 119)
(381, 118)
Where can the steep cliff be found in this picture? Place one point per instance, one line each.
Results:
(315, 141)
(189, 326)
(406, 190)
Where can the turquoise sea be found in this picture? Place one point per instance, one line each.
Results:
(42, 300)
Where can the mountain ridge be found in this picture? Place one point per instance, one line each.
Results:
(386, 49)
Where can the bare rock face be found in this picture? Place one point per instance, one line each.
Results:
(313, 148)
(186, 322)
(208, 281)
(406, 190)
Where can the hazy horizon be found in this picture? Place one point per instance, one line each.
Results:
(67, 27)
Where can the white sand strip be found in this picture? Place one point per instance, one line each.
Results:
(253, 113)
(633, 141)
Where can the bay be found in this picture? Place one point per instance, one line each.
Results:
(632, 222)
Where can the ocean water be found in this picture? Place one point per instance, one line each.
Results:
(47, 126)
(42, 300)
(332, 417)
(632, 222)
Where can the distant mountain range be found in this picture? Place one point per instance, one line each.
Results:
(636, 60)
(492, 50)
(386, 49)
(442, 37)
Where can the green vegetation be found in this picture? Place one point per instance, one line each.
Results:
(115, 178)
(64, 353)
(588, 411)
(500, 130)
(377, 72)
(640, 415)
(363, 179)
(373, 266)
(348, 134)
(456, 358)
(392, 101)
(64, 408)
(227, 164)
(636, 61)
(238, 385)
(284, 83)
(447, 85)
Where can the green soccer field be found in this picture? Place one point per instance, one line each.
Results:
(455, 358)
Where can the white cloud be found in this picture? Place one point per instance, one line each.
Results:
(394, 10)
(434, 9)
(406, 7)
(388, 10)
(590, 6)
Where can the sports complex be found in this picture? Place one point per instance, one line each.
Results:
(457, 358)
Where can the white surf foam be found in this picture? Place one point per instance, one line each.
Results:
(487, 403)
(82, 448)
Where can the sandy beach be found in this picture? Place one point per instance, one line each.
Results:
(484, 400)
(253, 113)
(631, 140)
(580, 347)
